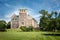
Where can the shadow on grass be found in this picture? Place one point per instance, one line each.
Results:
(51, 34)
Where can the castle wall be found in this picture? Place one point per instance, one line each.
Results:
(23, 20)
(15, 22)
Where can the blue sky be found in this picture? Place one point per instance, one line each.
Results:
(10, 7)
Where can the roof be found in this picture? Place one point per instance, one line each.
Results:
(14, 15)
(32, 18)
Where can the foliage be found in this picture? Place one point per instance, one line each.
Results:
(30, 28)
(13, 30)
(24, 28)
(49, 21)
(8, 25)
(2, 25)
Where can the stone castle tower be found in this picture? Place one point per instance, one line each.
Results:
(23, 19)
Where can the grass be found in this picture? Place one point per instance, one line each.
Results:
(29, 36)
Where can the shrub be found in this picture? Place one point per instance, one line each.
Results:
(30, 28)
(23, 28)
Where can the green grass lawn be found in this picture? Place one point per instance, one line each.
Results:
(28, 36)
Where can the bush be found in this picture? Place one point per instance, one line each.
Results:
(30, 28)
(24, 28)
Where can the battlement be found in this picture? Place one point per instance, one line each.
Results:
(23, 10)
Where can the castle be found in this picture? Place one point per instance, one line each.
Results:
(23, 19)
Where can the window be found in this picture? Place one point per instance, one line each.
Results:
(23, 23)
(13, 19)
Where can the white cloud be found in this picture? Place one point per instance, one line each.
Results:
(57, 3)
(58, 10)
(55, 0)
(8, 16)
(16, 11)
(31, 12)
(7, 5)
(7, 20)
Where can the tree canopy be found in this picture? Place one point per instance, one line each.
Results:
(2, 25)
(49, 21)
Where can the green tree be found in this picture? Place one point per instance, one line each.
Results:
(30, 28)
(8, 25)
(58, 22)
(2, 25)
(53, 21)
(43, 19)
(49, 21)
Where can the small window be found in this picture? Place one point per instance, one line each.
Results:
(13, 19)
(23, 23)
